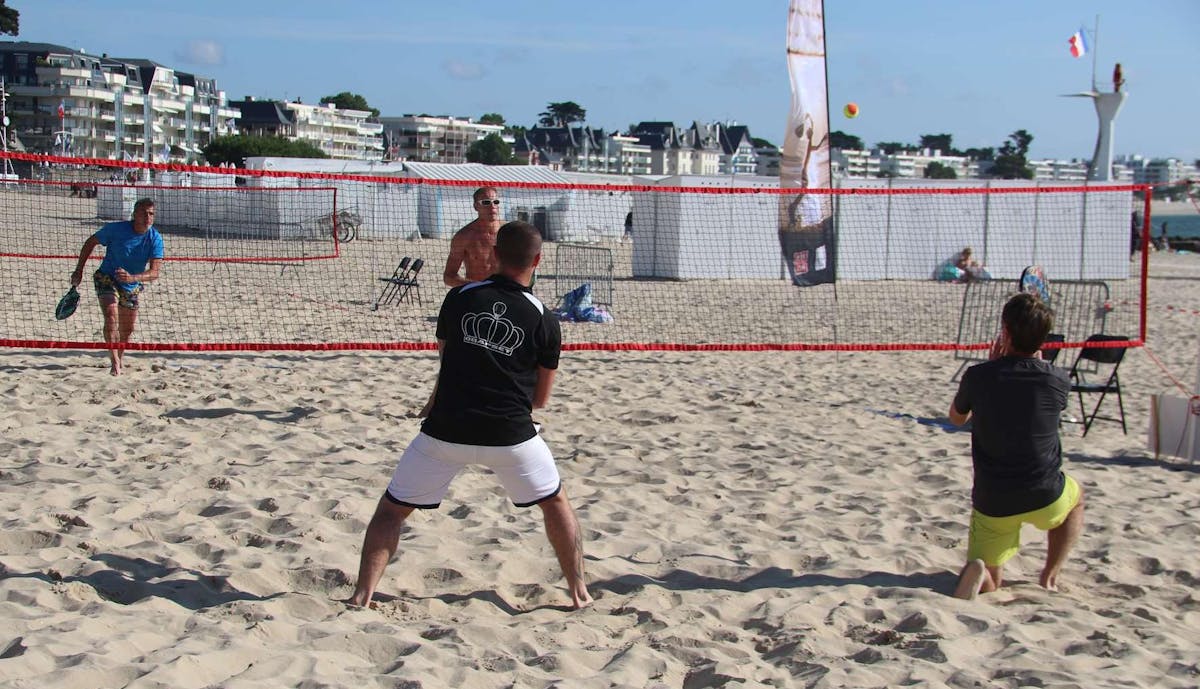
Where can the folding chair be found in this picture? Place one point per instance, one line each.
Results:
(1102, 357)
(409, 282)
(1051, 355)
(392, 287)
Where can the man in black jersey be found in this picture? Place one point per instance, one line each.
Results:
(499, 350)
(1014, 401)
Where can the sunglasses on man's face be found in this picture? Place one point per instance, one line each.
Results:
(489, 202)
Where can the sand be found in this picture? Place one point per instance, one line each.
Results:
(751, 519)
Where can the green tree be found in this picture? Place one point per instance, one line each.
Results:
(987, 153)
(562, 114)
(236, 149)
(936, 170)
(938, 142)
(762, 143)
(890, 147)
(845, 141)
(350, 101)
(491, 150)
(10, 20)
(491, 118)
(1011, 162)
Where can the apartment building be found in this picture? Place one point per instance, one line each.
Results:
(1159, 170)
(342, 134)
(423, 138)
(1059, 170)
(738, 153)
(67, 102)
(695, 150)
(584, 149)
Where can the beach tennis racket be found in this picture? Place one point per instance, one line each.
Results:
(66, 305)
(1033, 281)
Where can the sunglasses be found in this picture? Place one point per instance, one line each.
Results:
(489, 202)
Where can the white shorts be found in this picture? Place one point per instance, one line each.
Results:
(428, 465)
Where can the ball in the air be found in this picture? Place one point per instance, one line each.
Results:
(851, 110)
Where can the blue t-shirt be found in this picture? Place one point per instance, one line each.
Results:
(127, 249)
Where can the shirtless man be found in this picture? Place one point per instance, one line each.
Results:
(472, 245)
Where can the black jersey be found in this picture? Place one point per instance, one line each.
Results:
(1015, 404)
(496, 335)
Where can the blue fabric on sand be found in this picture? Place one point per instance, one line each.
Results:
(577, 306)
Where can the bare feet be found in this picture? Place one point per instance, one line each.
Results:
(1049, 580)
(971, 580)
(581, 602)
(114, 370)
(361, 599)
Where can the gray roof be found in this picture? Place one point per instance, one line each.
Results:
(485, 173)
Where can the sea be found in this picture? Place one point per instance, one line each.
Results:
(1178, 226)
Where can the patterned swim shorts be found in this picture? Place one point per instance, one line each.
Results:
(106, 286)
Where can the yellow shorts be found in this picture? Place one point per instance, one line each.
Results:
(996, 539)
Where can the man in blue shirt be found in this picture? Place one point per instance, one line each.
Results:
(133, 255)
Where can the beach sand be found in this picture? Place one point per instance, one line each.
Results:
(751, 519)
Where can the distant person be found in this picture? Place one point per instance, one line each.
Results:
(1135, 234)
(472, 245)
(1014, 402)
(499, 351)
(133, 255)
(972, 269)
(1163, 243)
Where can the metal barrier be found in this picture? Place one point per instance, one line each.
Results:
(575, 264)
(1080, 309)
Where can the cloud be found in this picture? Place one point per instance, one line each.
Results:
(201, 53)
(467, 71)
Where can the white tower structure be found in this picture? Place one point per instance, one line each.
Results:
(1107, 107)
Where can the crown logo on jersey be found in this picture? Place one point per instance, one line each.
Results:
(492, 330)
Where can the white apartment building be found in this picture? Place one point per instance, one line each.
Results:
(852, 162)
(342, 134)
(423, 138)
(1059, 170)
(1162, 171)
(67, 102)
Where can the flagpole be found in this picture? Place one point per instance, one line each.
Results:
(1095, 47)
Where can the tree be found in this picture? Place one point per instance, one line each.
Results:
(491, 150)
(890, 147)
(938, 142)
(987, 153)
(491, 118)
(1011, 162)
(350, 101)
(10, 20)
(236, 149)
(562, 114)
(936, 170)
(762, 143)
(845, 141)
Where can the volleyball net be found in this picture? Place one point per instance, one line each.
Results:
(266, 260)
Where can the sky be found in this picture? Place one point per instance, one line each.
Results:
(973, 69)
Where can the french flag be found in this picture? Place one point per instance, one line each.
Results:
(1078, 43)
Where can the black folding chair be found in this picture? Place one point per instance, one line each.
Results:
(1103, 358)
(1050, 354)
(393, 284)
(408, 283)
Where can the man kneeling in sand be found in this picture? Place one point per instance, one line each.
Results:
(1014, 401)
(499, 351)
